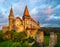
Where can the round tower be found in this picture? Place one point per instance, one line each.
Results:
(11, 20)
(26, 13)
(26, 17)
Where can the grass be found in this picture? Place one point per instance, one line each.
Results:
(46, 40)
(58, 41)
(6, 43)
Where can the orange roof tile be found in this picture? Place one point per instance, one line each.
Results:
(33, 20)
(26, 12)
(11, 12)
(19, 18)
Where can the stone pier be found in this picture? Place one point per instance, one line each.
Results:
(40, 39)
(53, 39)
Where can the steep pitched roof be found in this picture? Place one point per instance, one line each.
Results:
(11, 12)
(26, 12)
(33, 20)
(19, 18)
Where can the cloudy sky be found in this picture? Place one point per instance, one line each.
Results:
(47, 12)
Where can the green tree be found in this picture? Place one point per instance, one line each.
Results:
(26, 44)
(18, 37)
(1, 35)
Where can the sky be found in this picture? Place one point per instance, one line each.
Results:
(47, 12)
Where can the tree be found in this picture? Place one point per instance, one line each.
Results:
(1, 35)
(26, 44)
(18, 37)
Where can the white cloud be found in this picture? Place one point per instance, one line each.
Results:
(33, 1)
(2, 1)
(50, 25)
(48, 11)
(3, 10)
(18, 9)
(51, 17)
(34, 11)
(57, 7)
(41, 8)
(56, 17)
(45, 6)
(44, 25)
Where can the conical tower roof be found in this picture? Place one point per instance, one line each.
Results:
(11, 13)
(26, 12)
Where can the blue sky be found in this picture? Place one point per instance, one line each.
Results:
(47, 12)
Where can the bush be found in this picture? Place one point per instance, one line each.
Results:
(58, 40)
(30, 39)
(25, 44)
(36, 44)
(47, 33)
(1, 36)
(18, 37)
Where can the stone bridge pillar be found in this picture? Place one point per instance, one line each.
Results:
(41, 38)
(53, 39)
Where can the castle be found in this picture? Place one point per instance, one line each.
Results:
(27, 23)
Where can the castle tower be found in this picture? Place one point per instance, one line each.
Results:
(11, 20)
(26, 13)
(26, 17)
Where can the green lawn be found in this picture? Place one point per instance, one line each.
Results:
(9, 43)
(58, 41)
(46, 40)
(6, 43)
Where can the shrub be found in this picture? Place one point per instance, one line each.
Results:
(18, 37)
(30, 39)
(1, 36)
(25, 44)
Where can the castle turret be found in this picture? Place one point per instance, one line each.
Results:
(11, 20)
(26, 17)
(26, 13)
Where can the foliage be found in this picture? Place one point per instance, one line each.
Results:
(46, 33)
(25, 44)
(58, 40)
(1, 36)
(36, 44)
(18, 37)
(30, 39)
